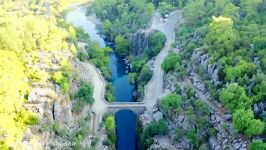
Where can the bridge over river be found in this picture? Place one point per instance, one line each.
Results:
(136, 107)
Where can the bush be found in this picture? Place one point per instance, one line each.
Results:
(171, 102)
(234, 97)
(165, 8)
(109, 93)
(82, 35)
(257, 145)
(154, 128)
(193, 137)
(172, 61)
(85, 93)
(63, 77)
(82, 56)
(243, 121)
(121, 45)
(110, 128)
(158, 40)
(62, 132)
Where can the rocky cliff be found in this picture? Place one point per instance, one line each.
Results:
(140, 40)
(54, 108)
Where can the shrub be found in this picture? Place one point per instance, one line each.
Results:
(62, 132)
(63, 77)
(171, 102)
(109, 94)
(154, 128)
(82, 56)
(85, 93)
(158, 40)
(121, 45)
(257, 145)
(243, 121)
(172, 61)
(165, 8)
(110, 128)
(234, 97)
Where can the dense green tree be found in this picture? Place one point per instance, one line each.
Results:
(171, 102)
(124, 16)
(85, 93)
(242, 68)
(110, 127)
(221, 36)
(154, 128)
(13, 89)
(165, 8)
(244, 121)
(171, 62)
(157, 41)
(257, 145)
(121, 45)
(234, 97)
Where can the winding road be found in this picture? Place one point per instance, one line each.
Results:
(153, 89)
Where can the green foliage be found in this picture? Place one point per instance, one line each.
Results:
(242, 68)
(193, 138)
(25, 34)
(234, 97)
(109, 93)
(257, 145)
(244, 121)
(63, 77)
(171, 102)
(110, 128)
(82, 35)
(85, 93)
(80, 134)
(165, 8)
(82, 56)
(121, 45)
(121, 17)
(157, 41)
(171, 62)
(99, 57)
(154, 128)
(232, 33)
(143, 78)
(221, 36)
(14, 118)
(62, 132)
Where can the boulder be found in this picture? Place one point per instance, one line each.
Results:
(256, 109)
(213, 142)
(157, 116)
(227, 117)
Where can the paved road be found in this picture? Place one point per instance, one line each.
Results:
(154, 88)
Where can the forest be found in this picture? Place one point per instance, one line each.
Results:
(26, 29)
(230, 35)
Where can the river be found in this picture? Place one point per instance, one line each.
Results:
(125, 119)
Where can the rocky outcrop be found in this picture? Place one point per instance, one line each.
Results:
(148, 116)
(220, 118)
(140, 40)
(199, 56)
(225, 138)
(51, 106)
(259, 108)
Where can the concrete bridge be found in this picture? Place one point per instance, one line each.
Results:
(136, 107)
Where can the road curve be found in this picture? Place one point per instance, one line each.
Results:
(154, 88)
